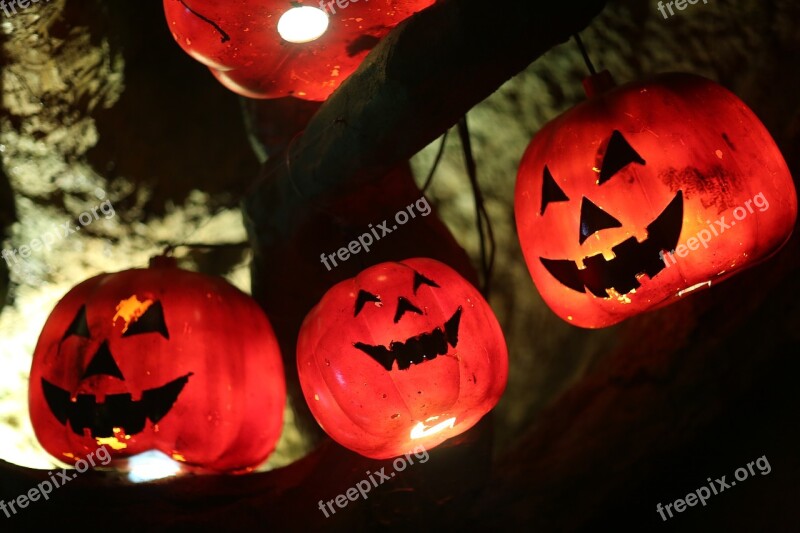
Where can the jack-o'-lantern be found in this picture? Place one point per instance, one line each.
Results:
(403, 355)
(277, 48)
(158, 359)
(646, 192)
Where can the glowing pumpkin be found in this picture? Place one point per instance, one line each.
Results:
(158, 359)
(277, 48)
(404, 354)
(608, 190)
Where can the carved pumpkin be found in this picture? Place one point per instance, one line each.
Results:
(609, 189)
(158, 359)
(404, 354)
(245, 43)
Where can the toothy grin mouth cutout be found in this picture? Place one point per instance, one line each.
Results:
(416, 350)
(632, 258)
(117, 411)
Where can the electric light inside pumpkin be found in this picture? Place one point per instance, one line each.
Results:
(303, 24)
(423, 430)
(130, 310)
(248, 53)
(705, 284)
(116, 442)
(152, 465)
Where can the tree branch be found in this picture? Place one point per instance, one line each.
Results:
(415, 84)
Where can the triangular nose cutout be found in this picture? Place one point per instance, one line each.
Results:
(403, 307)
(103, 364)
(594, 219)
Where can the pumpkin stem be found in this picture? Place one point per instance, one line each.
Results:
(597, 84)
(163, 261)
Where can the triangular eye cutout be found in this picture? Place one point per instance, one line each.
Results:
(363, 298)
(551, 192)
(594, 219)
(403, 307)
(79, 326)
(420, 280)
(619, 154)
(103, 364)
(152, 321)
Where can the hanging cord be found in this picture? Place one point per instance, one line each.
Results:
(586, 58)
(436, 162)
(485, 231)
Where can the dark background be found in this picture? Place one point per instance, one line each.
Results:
(596, 427)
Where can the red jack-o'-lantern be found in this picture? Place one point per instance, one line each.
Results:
(607, 191)
(403, 355)
(276, 48)
(158, 359)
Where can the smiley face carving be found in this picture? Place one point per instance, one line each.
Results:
(405, 353)
(158, 359)
(631, 258)
(84, 413)
(608, 189)
(419, 348)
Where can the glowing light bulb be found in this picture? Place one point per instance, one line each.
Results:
(303, 24)
(421, 430)
(152, 465)
(694, 288)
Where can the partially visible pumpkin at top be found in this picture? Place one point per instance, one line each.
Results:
(609, 189)
(278, 48)
(158, 359)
